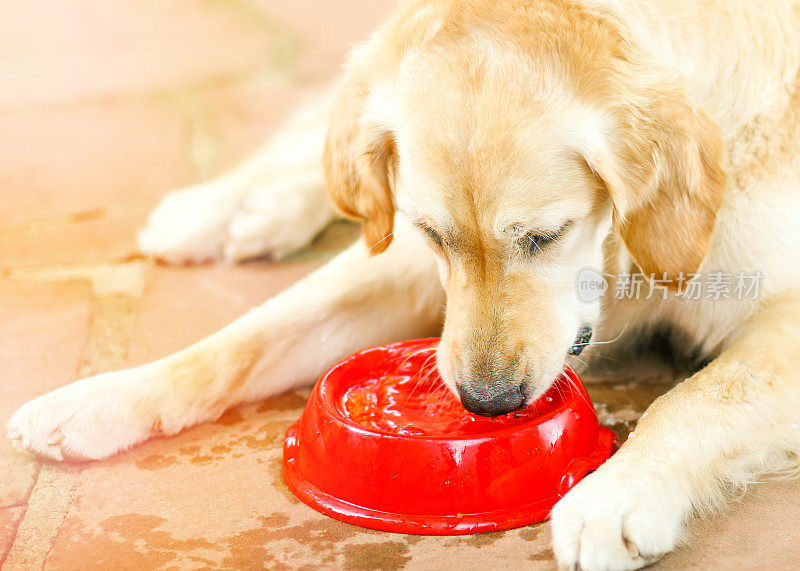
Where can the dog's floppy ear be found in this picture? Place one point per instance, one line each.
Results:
(663, 167)
(359, 162)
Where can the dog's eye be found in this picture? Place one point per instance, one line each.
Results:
(432, 234)
(532, 242)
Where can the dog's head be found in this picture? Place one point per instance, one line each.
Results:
(517, 143)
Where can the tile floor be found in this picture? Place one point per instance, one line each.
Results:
(104, 107)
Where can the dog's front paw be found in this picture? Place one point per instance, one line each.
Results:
(278, 218)
(86, 420)
(191, 225)
(616, 519)
(236, 220)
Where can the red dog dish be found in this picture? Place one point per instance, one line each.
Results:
(384, 444)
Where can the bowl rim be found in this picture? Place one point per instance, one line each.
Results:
(329, 405)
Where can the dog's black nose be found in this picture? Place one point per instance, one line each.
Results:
(492, 403)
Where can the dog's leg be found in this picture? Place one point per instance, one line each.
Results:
(711, 435)
(356, 301)
(271, 205)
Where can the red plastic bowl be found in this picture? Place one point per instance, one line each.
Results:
(383, 444)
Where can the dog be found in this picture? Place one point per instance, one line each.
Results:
(494, 149)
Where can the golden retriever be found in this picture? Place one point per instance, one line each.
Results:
(509, 146)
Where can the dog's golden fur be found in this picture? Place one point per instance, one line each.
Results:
(614, 134)
(663, 169)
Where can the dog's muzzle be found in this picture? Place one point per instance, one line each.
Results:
(581, 340)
